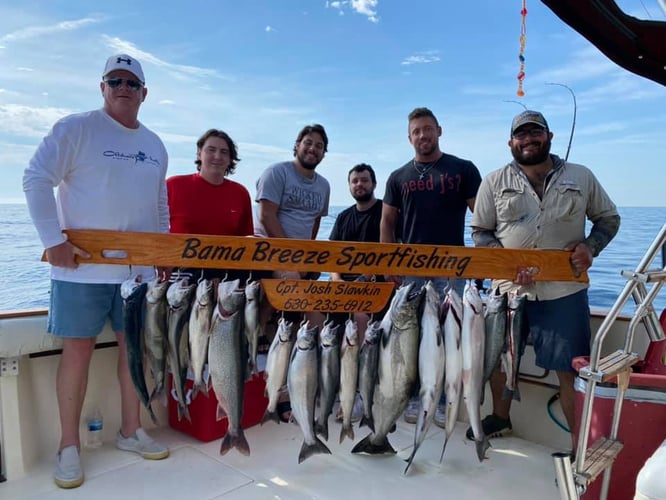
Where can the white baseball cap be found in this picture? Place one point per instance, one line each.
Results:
(124, 62)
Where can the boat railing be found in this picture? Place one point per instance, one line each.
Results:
(599, 458)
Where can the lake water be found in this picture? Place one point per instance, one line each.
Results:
(25, 280)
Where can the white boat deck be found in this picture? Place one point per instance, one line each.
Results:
(515, 469)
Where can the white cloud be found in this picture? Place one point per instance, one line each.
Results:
(421, 58)
(182, 70)
(39, 31)
(27, 121)
(269, 28)
(367, 8)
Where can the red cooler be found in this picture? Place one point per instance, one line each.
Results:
(203, 411)
(642, 427)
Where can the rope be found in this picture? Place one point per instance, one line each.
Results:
(521, 52)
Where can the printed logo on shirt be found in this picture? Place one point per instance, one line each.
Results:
(443, 183)
(137, 157)
(298, 197)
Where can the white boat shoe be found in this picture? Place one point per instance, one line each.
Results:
(143, 444)
(68, 472)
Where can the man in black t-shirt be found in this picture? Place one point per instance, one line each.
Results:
(426, 201)
(360, 222)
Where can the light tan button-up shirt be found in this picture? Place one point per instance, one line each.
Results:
(507, 204)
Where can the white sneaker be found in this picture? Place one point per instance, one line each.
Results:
(68, 472)
(143, 444)
(412, 411)
(440, 416)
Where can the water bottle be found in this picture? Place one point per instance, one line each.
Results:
(95, 425)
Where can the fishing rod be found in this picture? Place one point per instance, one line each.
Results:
(573, 122)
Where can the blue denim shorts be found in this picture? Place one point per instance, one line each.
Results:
(560, 330)
(80, 310)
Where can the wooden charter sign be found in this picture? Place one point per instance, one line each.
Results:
(232, 252)
(327, 296)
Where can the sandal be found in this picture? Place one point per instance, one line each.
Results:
(283, 409)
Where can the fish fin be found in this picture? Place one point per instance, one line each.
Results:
(235, 441)
(220, 414)
(369, 421)
(315, 448)
(346, 431)
(481, 447)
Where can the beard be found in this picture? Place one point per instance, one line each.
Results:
(306, 164)
(426, 149)
(531, 158)
(367, 196)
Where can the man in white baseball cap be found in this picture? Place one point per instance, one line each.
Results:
(109, 171)
(124, 62)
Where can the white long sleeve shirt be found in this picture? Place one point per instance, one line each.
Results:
(107, 176)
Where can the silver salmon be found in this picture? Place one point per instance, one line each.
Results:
(252, 324)
(155, 333)
(431, 367)
(473, 339)
(348, 377)
(302, 380)
(277, 365)
(367, 371)
(511, 356)
(452, 312)
(227, 358)
(133, 293)
(397, 369)
(329, 375)
(199, 333)
(495, 319)
(179, 298)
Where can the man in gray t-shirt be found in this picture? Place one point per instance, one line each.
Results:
(292, 199)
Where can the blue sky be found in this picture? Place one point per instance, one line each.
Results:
(261, 69)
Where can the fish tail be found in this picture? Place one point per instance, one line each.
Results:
(270, 415)
(183, 412)
(446, 441)
(366, 446)
(410, 459)
(481, 447)
(313, 449)
(346, 431)
(237, 441)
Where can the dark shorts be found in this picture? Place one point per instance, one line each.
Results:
(79, 310)
(560, 330)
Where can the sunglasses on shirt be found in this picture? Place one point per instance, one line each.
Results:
(114, 83)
